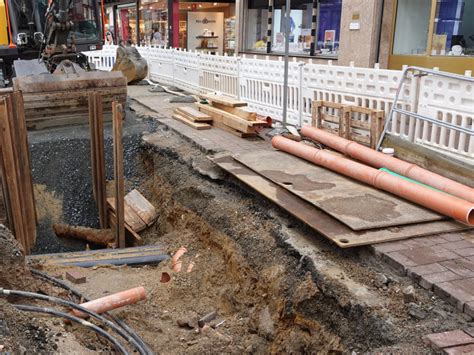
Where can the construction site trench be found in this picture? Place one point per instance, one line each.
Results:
(276, 285)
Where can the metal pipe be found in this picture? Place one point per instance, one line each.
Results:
(13, 12)
(445, 204)
(54, 312)
(380, 160)
(136, 260)
(79, 295)
(36, 15)
(287, 51)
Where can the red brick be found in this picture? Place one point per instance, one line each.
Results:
(456, 292)
(465, 251)
(462, 266)
(398, 261)
(427, 281)
(448, 339)
(458, 350)
(429, 255)
(76, 277)
(461, 244)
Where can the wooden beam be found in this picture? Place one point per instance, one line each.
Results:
(118, 115)
(195, 125)
(225, 100)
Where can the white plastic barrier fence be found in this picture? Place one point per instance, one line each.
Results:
(259, 81)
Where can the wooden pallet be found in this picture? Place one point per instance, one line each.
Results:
(356, 123)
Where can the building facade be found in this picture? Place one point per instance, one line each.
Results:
(429, 33)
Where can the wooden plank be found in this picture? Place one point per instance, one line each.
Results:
(118, 116)
(322, 222)
(195, 125)
(135, 237)
(220, 125)
(355, 204)
(225, 100)
(141, 206)
(93, 143)
(242, 113)
(100, 161)
(191, 112)
(11, 171)
(71, 119)
(131, 218)
(21, 137)
(228, 119)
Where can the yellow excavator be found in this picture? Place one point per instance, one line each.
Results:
(41, 45)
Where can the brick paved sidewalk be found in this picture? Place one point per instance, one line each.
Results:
(443, 263)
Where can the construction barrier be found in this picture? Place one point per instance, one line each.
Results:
(259, 82)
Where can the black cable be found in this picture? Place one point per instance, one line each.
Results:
(120, 331)
(78, 294)
(54, 312)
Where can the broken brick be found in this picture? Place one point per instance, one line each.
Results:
(443, 340)
(76, 277)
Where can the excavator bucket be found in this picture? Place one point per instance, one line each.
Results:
(62, 99)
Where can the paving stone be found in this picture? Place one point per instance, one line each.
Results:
(390, 247)
(429, 255)
(456, 292)
(452, 237)
(461, 266)
(416, 272)
(448, 339)
(76, 277)
(398, 261)
(469, 310)
(461, 244)
(457, 350)
(427, 281)
(465, 252)
(469, 331)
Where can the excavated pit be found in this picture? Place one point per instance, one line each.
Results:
(277, 286)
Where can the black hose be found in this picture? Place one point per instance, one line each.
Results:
(73, 305)
(54, 312)
(78, 294)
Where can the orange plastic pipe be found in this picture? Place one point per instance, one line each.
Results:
(437, 201)
(114, 301)
(381, 160)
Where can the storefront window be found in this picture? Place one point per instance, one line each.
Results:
(412, 27)
(256, 24)
(329, 24)
(207, 27)
(85, 18)
(127, 24)
(300, 27)
(154, 23)
(454, 28)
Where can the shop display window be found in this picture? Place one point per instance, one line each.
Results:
(256, 24)
(154, 23)
(453, 28)
(127, 25)
(328, 24)
(412, 27)
(300, 28)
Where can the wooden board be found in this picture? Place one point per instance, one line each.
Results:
(322, 222)
(193, 114)
(242, 113)
(134, 239)
(118, 174)
(225, 100)
(142, 207)
(195, 125)
(132, 219)
(355, 204)
(220, 125)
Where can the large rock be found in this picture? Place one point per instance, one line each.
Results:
(129, 61)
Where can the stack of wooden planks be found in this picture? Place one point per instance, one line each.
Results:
(55, 100)
(192, 117)
(228, 114)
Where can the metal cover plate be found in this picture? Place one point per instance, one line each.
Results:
(353, 203)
